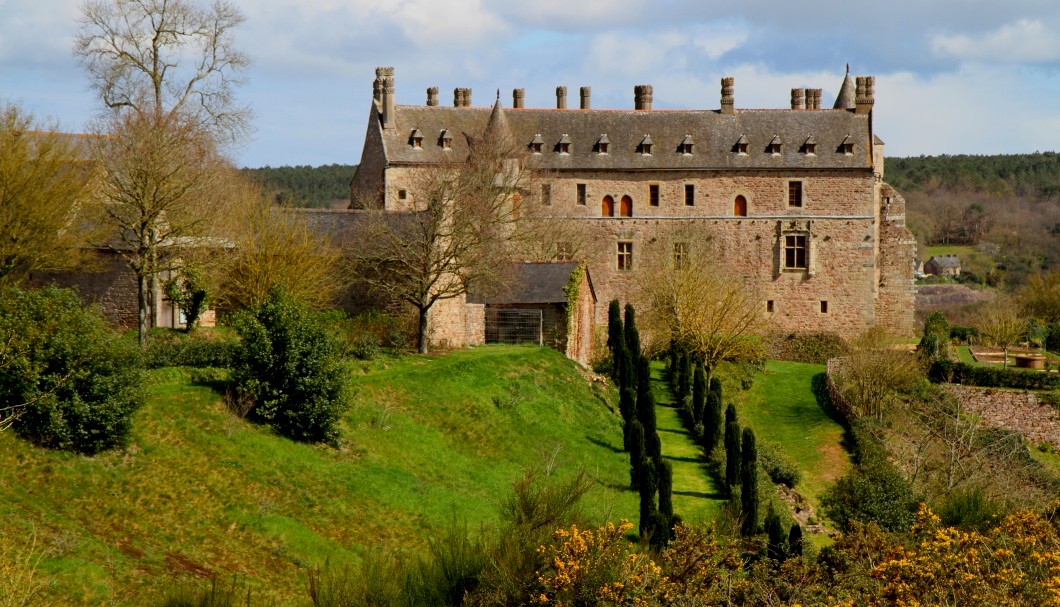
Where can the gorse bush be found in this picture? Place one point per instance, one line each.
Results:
(66, 380)
(288, 367)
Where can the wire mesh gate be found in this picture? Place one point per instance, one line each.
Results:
(514, 326)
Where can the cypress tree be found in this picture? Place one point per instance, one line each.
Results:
(632, 336)
(715, 386)
(637, 454)
(732, 448)
(795, 540)
(672, 367)
(775, 533)
(699, 395)
(615, 337)
(681, 393)
(712, 422)
(627, 406)
(646, 411)
(666, 486)
(647, 484)
(749, 483)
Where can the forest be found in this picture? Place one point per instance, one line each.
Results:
(306, 186)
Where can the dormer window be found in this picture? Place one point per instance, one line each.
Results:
(536, 143)
(416, 139)
(645, 146)
(774, 146)
(686, 146)
(564, 145)
(810, 147)
(446, 140)
(847, 146)
(741, 145)
(602, 144)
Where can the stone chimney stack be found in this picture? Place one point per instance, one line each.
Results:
(813, 99)
(377, 86)
(865, 94)
(797, 96)
(518, 97)
(461, 97)
(432, 96)
(561, 97)
(727, 102)
(642, 97)
(586, 92)
(385, 75)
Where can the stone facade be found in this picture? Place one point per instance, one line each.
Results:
(793, 200)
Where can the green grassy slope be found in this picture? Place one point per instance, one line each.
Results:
(200, 491)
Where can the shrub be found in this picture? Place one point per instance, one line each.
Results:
(748, 483)
(287, 365)
(363, 336)
(806, 347)
(945, 371)
(68, 382)
(963, 334)
(777, 466)
(198, 349)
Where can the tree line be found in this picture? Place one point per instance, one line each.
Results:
(304, 185)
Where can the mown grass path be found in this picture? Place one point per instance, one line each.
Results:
(695, 496)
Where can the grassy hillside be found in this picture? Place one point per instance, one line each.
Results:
(200, 491)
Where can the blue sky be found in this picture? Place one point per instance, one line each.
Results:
(952, 76)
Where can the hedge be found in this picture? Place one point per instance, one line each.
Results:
(946, 371)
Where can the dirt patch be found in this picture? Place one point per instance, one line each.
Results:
(178, 562)
(834, 460)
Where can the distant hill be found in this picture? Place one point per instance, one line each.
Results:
(306, 186)
(1035, 174)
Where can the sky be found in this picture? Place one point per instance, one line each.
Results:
(952, 76)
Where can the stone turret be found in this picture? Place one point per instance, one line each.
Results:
(845, 99)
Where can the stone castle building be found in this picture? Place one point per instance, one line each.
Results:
(795, 197)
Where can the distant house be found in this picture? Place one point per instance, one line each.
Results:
(943, 265)
(918, 268)
(536, 307)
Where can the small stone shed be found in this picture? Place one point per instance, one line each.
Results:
(558, 295)
(943, 265)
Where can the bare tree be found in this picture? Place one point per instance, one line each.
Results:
(166, 57)
(1000, 323)
(714, 315)
(163, 196)
(873, 377)
(43, 179)
(457, 239)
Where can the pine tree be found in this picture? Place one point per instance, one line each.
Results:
(775, 533)
(732, 448)
(749, 483)
(646, 410)
(627, 406)
(795, 545)
(637, 453)
(666, 487)
(699, 396)
(647, 484)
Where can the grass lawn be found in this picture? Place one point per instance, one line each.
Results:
(199, 491)
(781, 408)
(964, 354)
(695, 496)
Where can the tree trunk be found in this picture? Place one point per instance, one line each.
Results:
(144, 309)
(421, 342)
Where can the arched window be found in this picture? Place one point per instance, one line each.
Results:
(625, 209)
(607, 207)
(739, 207)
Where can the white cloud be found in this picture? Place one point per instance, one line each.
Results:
(1026, 40)
(565, 15)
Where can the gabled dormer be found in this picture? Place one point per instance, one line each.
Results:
(416, 139)
(645, 146)
(686, 146)
(809, 147)
(740, 147)
(846, 146)
(563, 147)
(602, 144)
(774, 146)
(445, 140)
(536, 143)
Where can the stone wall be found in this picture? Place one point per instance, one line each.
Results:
(107, 282)
(581, 322)
(1011, 410)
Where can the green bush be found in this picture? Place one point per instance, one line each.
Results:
(805, 347)
(199, 349)
(66, 380)
(777, 466)
(945, 371)
(287, 365)
(365, 335)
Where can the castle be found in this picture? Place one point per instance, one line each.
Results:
(794, 196)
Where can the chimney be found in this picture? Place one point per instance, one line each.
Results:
(461, 97)
(518, 95)
(865, 94)
(386, 81)
(642, 97)
(727, 102)
(467, 97)
(585, 91)
(561, 97)
(432, 96)
(797, 96)
(377, 85)
(813, 99)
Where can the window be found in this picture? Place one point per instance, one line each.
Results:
(645, 145)
(686, 146)
(847, 146)
(446, 140)
(690, 194)
(774, 145)
(602, 143)
(546, 194)
(536, 143)
(564, 145)
(603, 147)
(795, 252)
(794, 193)
(625, 208)
(810, 147)
(403, 194)
(416, 139)
(739, 206)
(653, 194)
(824, 307)
(769, 306)
(680, 255)
(564, 251)
(607, 207)
(581, 194)
(741, 145)
(625, 256)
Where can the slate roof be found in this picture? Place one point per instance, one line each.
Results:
(847, 97)
(715, 135)
(533, 283)
(945, 261)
